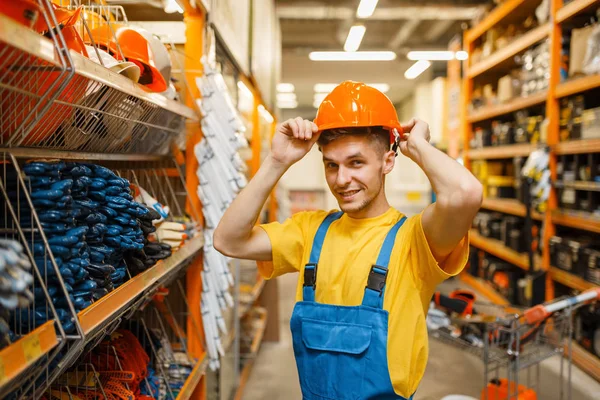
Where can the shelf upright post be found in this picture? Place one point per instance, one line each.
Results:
(195, 23)
(552, 115)
(467, 92)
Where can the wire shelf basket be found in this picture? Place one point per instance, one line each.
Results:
(56, 98)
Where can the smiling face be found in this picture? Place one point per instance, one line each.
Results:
(355, 169)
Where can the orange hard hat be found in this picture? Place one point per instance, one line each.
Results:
(135, 48)
(19, 105)
(29, 13)
(25, 12)
(354, 104)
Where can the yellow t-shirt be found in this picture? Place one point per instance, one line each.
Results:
(350, 249)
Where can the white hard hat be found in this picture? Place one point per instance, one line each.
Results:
(126, 68)
(162, 61)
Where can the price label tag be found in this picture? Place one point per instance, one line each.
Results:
(32, 348)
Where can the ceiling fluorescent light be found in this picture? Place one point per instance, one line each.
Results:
(462, 55)
(324, 87)
(355, 36)
(430, 55)
(285, 87)
(382, 87)
(366, 8)
(417, 69)
(287, 104)
(244, 89)
(328, 87)
(265, 114)
(352, 56)
(319, 97)
(286, 96)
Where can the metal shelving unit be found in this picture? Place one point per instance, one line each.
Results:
(57, 104)
(499, 63)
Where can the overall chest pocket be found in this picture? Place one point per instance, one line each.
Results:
(335, 358)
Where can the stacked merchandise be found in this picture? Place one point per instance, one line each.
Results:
(15, 282)
(92, 224)
(135, 364)
(581, 49)
(526, 128)
(52, 198)
(221, 178)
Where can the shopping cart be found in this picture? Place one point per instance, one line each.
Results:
(511, 342)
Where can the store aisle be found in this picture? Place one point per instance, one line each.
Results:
(274, 375)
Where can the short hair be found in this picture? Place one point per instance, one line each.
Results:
(378, 135)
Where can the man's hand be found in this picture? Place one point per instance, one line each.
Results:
(415, 131)
(293, 139)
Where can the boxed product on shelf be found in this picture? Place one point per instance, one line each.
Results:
(502, 133)
(503, 276)
(566, 253)
(509, 86)
(590, 261)
(528, 128)
(578, 49)
(481, 138)
(536, 69)
(474, 261)
(501, 187)
(571, 111)
(587, 331)
(590, 123)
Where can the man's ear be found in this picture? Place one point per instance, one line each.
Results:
(389, 161)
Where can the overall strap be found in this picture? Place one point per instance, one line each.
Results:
(310, 269)
(375, 288)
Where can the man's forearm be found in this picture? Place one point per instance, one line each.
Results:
(238, 221)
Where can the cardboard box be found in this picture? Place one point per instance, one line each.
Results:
(579, 39)
(505, 89)
(590, 123)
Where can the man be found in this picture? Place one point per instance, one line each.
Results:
(367, 273)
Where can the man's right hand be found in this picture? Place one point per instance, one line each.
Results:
(293, 139)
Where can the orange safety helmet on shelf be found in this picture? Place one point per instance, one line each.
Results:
(25, 12)
(354, 104)
(30, 14)
(39, 79)
(135, 48)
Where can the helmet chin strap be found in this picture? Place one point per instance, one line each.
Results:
(396, 141)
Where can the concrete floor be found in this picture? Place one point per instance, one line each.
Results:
(274, 376)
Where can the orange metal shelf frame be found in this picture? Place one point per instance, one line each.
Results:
(586, 361)
(508, 151)
(578, 221)
(249, 298)
(574, 8)
(498, 249)
(508, 12)
(578, 85)
(484, 288)
(577, 146)
(570, 280)
(256, 341)
(506, 108)
(105, 308)
(508, 206)
(506, 53)
(193, 379)
(26, 351)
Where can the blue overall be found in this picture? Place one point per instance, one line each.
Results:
(341, 351)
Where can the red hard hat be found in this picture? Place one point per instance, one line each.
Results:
(354, 104)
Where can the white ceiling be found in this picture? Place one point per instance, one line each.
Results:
(397, 25)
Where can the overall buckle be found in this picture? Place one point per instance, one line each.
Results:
(377, 278)
(310, 275)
